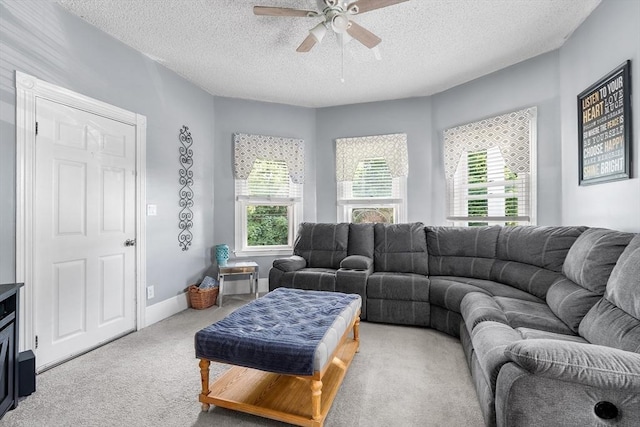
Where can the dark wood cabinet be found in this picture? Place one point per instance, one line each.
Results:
(9, 315)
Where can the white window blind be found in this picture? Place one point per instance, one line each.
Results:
(269, 180)
(490, 169)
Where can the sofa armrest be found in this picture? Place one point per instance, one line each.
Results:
(357, 262)
(588, 364)
(292, 263)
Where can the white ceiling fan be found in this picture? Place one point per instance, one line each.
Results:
(336, 14)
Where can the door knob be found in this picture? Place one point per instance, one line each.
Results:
(130, 242)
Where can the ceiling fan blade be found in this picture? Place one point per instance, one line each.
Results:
(283, 11)
(307, 44)
(363, 35)
(369, 5)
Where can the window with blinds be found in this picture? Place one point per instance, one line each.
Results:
(269, 177)
(486, 191)
(492, 181)
(371, 176)
(373, 195)
(268, 202)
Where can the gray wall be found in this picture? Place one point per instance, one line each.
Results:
(261, 118)
(42, 39)
(610, 36)
(411, 116)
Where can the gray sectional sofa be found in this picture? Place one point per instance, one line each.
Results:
(548, 317)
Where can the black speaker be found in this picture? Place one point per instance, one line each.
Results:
(26, 373)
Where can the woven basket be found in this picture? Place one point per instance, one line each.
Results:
(202, 298)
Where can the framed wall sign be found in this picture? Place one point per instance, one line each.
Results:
(604, 128)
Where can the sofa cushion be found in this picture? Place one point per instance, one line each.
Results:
(623, 287)
(398, 286)
(462, 251)
(570, 302)
(448, 291)
(529, 278)
(606, 324)
(360, 240)
(592, 257)
(544, 247)
(532, 315)
(322, 245)
(400, 248)
(315, 279)
(614, 320)
(478, 308)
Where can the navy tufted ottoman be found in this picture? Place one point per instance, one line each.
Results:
(291, 349)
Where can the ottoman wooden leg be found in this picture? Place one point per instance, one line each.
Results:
(356, 329)
(316, 398)
(204, 378)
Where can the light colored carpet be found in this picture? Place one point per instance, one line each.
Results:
(402, 376)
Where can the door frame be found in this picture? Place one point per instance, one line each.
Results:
(28, 88)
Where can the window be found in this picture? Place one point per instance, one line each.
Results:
(371, 174)
(268, 195)
(489, 166)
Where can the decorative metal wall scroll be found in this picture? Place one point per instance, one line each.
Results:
(186, 192)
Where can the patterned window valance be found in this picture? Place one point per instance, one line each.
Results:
(351, 151)
(509, 132)
(248, 148)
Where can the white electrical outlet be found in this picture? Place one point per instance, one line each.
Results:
(152, 210)
(150, 292)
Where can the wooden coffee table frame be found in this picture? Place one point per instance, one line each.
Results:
(299, 400)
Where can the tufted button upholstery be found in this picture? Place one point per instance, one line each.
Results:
(288, 331)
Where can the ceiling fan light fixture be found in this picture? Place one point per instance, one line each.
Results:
(340, 23)
(319, 31)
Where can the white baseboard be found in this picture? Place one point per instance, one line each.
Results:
(167, 308)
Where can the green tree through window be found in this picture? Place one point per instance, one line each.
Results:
(478, 173)
(477, 164)
(268, 224)
(511, 203)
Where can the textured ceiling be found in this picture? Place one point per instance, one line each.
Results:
(427, 45)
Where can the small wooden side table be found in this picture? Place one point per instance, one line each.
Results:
(234, 268)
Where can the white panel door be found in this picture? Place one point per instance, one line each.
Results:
(84, 275)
